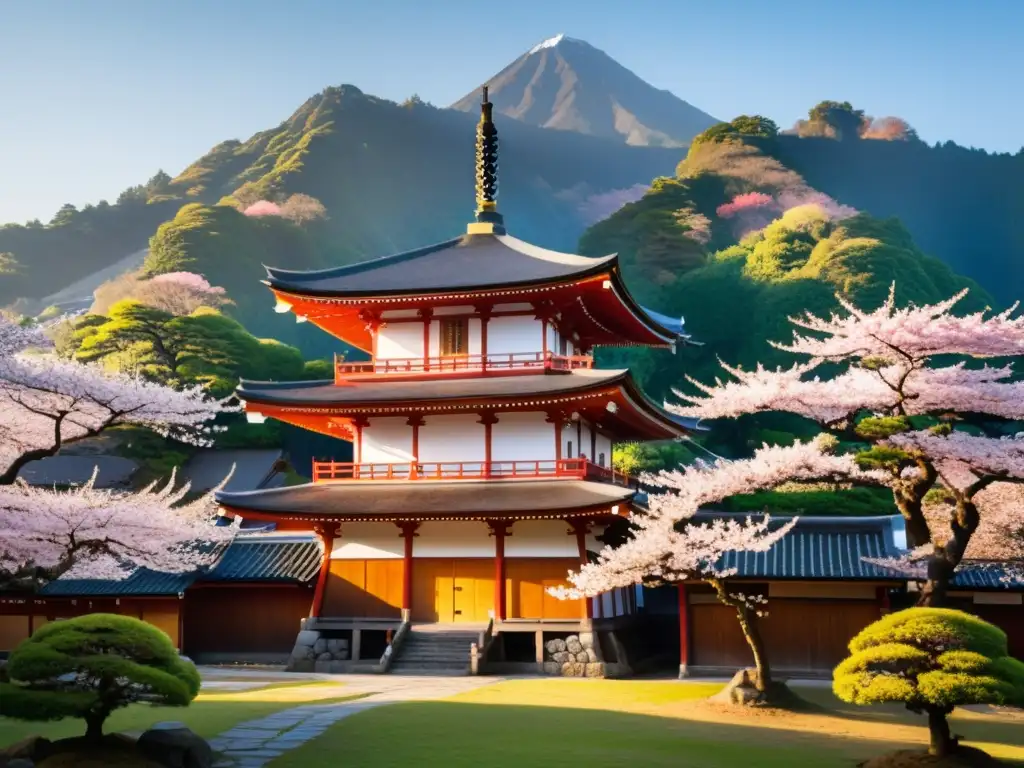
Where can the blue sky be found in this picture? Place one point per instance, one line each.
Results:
(96, 96)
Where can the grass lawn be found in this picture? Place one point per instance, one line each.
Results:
(609, 723)
(211, 713)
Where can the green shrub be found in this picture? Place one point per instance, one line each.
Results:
(931, 660)
(91, 665)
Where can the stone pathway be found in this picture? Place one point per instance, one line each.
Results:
(255, 743)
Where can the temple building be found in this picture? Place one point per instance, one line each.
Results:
(482, 436)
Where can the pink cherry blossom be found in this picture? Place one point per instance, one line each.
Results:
(660, 551)
(92, 533)
(46, 403)
(892, 370)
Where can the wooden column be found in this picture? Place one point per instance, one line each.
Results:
(415, 421)
(580, 528)
(557, 418)
(499, 530)
(408, 533)
(485, 318)
(427, 315)
(360, 423)
(326, 534)
(488, 419)
(373, 323)
(684, 630)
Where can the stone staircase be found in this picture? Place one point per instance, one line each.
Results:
(435, 649)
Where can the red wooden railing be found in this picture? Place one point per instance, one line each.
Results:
(578, 469)
(452, 364)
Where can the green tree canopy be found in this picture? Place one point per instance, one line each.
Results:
(846, 121)
(932, 660)
(89, 666)
(744, 125)
(204, 347)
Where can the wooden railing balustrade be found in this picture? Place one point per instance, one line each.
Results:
(511, 361)
(573, 469)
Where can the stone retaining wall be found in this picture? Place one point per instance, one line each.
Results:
(575, 656)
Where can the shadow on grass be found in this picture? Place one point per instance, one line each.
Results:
(455, 734)
(207, 718)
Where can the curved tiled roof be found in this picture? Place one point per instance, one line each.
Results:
(386, 499)
(465, 262)
(253, 559)
(371, 392)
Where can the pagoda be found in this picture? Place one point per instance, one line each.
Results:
(482, 434)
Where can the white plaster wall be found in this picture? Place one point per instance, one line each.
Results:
(435, 338)
(552, 338)
(400, 340)
(522, 437)
(387, 440)
(393, 314)
(458, 310)
(368, 541)
(453, 539)
(541, 538)
(569, 436)
(604, 445)
(475, 337)
(458, 437)
(519, 333)
(522, 306)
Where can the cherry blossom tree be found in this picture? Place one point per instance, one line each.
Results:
(668, 545)
(923, 388)
(87, 532)
(47, 403)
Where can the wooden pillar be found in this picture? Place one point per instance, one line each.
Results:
(373, 324)
(408, 533)
(485, 318)
(360, 423)
(427, 315)
(327, 534)
(488, 419)
(580, 528)
(558, 419)
(684, 630)
(499, 530)
(357, 641)
(415, 421)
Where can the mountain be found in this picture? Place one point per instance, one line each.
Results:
(390, 176)
(570, 85)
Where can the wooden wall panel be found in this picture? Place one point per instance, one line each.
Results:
(164, 618)
(244, 619)
(798, 634)
(13, 629)
(526, 583)
(370, 589)
(433, 580)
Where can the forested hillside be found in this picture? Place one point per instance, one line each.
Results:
(737, 242)
(390, 177)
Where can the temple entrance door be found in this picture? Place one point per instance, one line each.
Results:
(451, 591)
(474, 590)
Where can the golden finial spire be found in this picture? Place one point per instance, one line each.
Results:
(488, 220)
